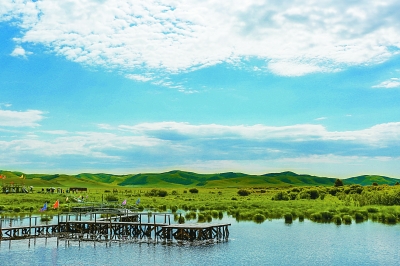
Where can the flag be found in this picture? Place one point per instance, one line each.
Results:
(124, 202)
(44, 207)
(138, 201)
(66, 199)
(22, 176)
(55, 205)
(3, 176)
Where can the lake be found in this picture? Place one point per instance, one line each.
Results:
(270, 243)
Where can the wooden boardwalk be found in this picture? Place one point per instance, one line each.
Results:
(128, 227)
(198, 232)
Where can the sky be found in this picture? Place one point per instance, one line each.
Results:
(253, 86)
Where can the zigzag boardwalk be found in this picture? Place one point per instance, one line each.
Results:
(128, 226)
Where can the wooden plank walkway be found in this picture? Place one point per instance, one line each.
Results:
(106, 230)
(196, 232)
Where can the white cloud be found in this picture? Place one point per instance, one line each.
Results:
(28, 118)
(389, 84)
(294, 38)
(138, 77)
(208, 147)
(19, 51)
(382, 134)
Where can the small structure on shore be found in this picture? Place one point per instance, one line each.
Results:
(77, 189)
(14, 188)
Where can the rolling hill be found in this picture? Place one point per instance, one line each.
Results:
(177, 178)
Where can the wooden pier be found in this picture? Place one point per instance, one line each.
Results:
(196, 232)
(129, 226)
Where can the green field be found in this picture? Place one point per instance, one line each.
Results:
(205, 197)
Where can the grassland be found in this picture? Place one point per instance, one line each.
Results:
(208, 197)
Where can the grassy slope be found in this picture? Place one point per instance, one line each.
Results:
(178, 178)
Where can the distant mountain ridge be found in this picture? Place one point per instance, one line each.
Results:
(183, 178)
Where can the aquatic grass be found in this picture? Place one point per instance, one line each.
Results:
(359, 217)
(288, 217)
(337, 219)
(211, 202)
(346, 219)
(391, 219)
(259, 218)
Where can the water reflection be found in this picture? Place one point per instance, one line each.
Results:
(269, 243)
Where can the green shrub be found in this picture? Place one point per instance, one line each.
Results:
(201, 218)
(346, 219)
(282, 195)
(259, 218)
(337, 219)
(314, 194)
(293, 195)
(162, 193)
(181, 220)
(338, 183)
(46, 218)
(373, 210)
(359, 217)
(316, 216)
(391, 219)
(326, 216)
(111, 198)
(17, 209)
(243, 192)
(194, 190)
(288, 218)
(214, 214)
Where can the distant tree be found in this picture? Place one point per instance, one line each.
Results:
(338, 183)
(374, 184)
(397, 183)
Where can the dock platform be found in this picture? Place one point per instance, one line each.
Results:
(125, 227)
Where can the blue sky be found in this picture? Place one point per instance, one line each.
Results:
(149, 86)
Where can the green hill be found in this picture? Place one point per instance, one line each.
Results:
(177, 178)
(367, 180)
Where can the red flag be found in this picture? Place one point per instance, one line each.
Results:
(3, 176)
(55, 205)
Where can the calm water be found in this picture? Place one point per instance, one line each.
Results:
(269, 243)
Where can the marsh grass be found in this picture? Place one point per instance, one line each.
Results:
(344, 203)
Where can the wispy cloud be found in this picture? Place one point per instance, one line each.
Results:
(177, 144)
(389, 84)
(138, 77)
(28, 118)
(20, 52)
(293, 38)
